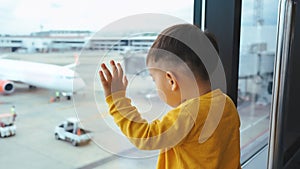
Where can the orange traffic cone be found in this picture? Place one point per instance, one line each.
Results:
(52, 99)
(78, 132)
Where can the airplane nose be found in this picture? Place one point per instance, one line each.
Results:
(78, 84)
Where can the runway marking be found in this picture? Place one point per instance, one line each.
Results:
(254, 123)
(253, 139)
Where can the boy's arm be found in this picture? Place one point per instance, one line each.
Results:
(157, 135)
(166, 133)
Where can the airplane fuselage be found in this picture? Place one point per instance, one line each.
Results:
(42, 75)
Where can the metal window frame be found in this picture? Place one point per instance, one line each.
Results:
(223, 19)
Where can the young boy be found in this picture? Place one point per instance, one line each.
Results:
(202, 131)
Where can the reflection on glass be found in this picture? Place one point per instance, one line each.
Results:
(130, 50)
(257, 52)
(57, 35)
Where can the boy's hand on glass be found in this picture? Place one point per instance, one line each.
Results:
(112, 81)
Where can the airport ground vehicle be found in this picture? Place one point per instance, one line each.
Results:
(7, 126)
(69, 130)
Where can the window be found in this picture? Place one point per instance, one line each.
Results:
(139, 37)
(257, 53)
(39, 113)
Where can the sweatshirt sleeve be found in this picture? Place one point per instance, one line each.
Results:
(168, 132)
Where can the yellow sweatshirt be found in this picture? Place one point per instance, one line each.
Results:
(201, 133)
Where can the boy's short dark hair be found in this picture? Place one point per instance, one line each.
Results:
(213, 40)
(181, 50)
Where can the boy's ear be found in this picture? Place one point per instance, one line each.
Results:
(172, 81)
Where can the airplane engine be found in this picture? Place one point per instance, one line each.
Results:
(6, 87)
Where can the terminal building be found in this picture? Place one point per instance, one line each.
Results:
(140, 42)
(60, 41)
(44, 41)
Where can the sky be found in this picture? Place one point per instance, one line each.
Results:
(270, 11)
(26, 16)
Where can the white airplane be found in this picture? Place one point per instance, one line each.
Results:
(49, 76)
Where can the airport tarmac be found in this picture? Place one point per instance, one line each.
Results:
(34, 145)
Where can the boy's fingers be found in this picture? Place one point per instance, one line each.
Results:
(114, 68)
(125, 81)
(102, 78)
(106, 72)
(120, 70)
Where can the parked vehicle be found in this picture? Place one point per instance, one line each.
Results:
(7, 126)
(69, 130)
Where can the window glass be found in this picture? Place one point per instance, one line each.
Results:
(257, 53)
(64, 34)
